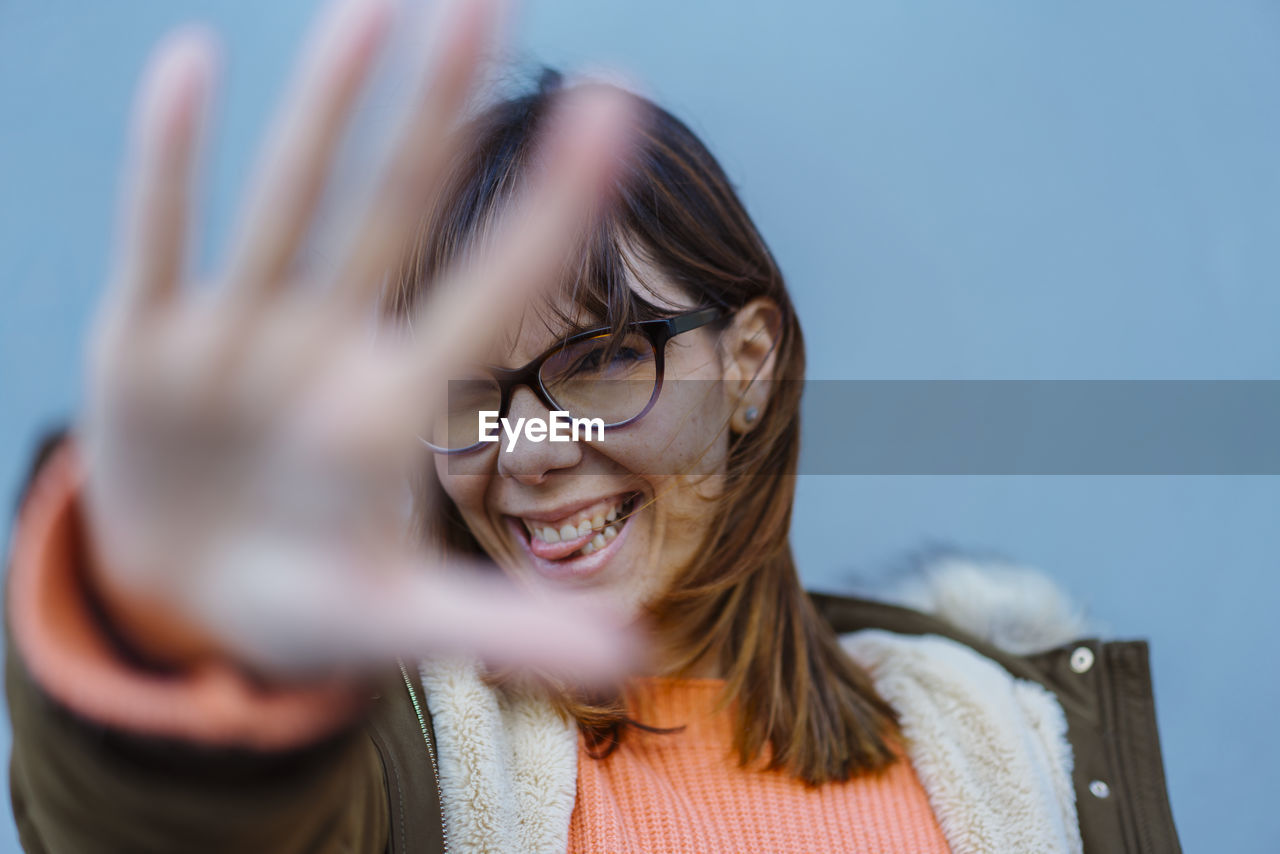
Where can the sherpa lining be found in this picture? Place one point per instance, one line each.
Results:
(990, 750)
(1011, 606)
(508, 764)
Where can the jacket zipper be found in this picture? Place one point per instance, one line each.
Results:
(431, 752)
(1133, 728)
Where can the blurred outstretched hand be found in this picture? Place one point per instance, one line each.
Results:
(247, 444)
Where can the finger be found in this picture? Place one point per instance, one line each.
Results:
(448, 612)
(532, 242)
(379, 397)
(300, 150)
(155, 212)
(422, 149)
(289, 614)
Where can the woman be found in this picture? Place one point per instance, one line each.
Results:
(203, 580)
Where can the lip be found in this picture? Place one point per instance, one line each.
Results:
(570, 569)
(567, 510)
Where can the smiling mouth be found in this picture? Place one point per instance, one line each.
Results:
(581, 533)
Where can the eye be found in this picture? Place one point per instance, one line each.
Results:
(601, 355)
(469, 394)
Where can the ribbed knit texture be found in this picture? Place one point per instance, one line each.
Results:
(685, 792)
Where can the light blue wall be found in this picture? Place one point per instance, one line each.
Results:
(974, 190)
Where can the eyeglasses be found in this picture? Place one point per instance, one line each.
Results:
(597, 374)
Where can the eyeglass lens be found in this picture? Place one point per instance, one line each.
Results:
(610, 377)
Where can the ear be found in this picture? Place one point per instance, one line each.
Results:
(749, 351)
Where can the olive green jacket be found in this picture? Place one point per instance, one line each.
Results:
(79, 788)
(375, 785)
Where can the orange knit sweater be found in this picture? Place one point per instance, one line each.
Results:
(684, 792)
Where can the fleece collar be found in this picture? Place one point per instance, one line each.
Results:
(990, 750)
(508, 764)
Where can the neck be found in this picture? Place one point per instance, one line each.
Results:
(670, 660)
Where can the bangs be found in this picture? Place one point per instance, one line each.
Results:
(605, 283)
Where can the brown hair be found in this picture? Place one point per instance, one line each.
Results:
(799, 695)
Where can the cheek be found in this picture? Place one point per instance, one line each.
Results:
(686, 434)
(681, 454)
(466, 490)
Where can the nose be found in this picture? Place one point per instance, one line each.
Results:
(529, 461)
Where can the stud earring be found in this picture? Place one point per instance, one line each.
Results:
(751, 415)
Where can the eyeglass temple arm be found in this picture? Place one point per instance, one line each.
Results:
(686, 322)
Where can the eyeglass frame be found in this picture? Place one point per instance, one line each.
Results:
(659, 331)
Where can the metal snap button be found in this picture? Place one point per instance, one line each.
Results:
(1081, 659)
(1099, 789)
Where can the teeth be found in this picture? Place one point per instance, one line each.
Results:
(588, 548)
(600, 523)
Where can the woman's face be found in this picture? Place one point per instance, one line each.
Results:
(620, 517)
